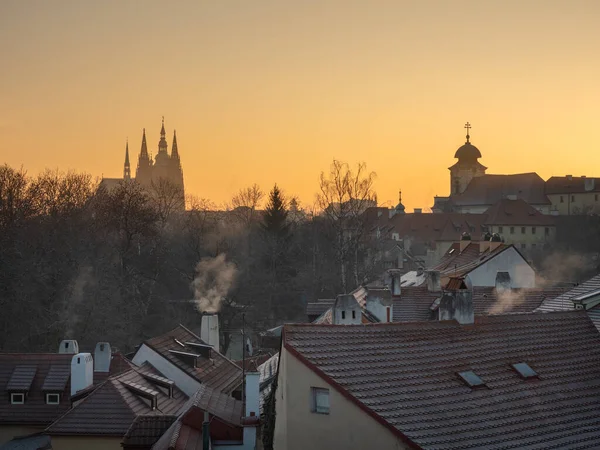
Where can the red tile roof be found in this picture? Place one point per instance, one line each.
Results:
(45, 368)
(405, 376)
(516, 212)
(218, 372)
(414, 304)
(111, 409)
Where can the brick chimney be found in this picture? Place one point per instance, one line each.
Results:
(457, 302)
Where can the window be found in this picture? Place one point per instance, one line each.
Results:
(512, 230)
(562, 200)
(523, 246)
(572, 198)
(522, 230)
(547, 231)
(52, 399)
(343, 314)
(532, 230)
(17, 399)
(471, 379)
(354, 314)
(524, 370)
(319, 400)
(499, 229)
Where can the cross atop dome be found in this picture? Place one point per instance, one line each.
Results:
(468, 127)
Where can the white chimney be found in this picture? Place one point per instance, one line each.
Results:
(434, 282)
(252, 411)
(82, 372)
(346, 310)
(396, 282)
(102, 357)
(209, 330)
(68, 346)
(457, 302)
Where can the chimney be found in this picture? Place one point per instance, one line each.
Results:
(209, 330)
(457, 302)
(252, 406)
(569, 177)
(396, 281)
(102, 357)
(68, 346)
(502, 281)
(82, 372)
(346, 310)
(380, 305)
(434, 283)
(495, 242)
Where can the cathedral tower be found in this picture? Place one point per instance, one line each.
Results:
(127, 167)
(143, 174)
(467, 167)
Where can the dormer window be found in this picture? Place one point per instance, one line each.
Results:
(17, 398)
(52, 399)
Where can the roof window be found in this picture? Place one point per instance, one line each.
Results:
(471, 379)
(525, 371)
(17, 398)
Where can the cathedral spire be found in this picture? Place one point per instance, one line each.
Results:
(162, 144)
(127, 167)
(174, 150)
(144, 149)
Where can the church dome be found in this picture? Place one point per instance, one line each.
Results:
(468, 152)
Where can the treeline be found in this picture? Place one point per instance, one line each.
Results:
(120, 265)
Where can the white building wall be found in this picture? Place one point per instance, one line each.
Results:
(521, 273)
(345, 427)
(181, 379)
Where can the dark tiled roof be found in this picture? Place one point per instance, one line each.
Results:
(414, 304)
(111, 409)
(35, 411)
(319, 307)
(57, 378)
(21, 377)
(516, 212)
(572, 185)
(564, 302)
(146, 430)
(218, 404)
(36, 441)
(417, 303)
(457, 263)
(405, 376)
(489, 189)
(217, 372)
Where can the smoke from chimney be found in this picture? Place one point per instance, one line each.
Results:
(214, 279)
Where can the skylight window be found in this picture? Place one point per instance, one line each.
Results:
(471, 379)
(525, 371)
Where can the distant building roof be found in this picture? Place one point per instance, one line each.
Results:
(218, 372)
(457, 263)
(489, 189)
(410, 384)
(516, 212)
(572, 185)
(112, 408)
(319, 307)
(36, 441)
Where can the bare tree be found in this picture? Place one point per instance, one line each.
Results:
(245, 203)
(344, 196)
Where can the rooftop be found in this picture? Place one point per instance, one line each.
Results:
(112, 408)
(457, 263)
(406, 377)
(217, 372)
(516, 212)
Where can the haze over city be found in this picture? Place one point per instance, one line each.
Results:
(272, 91)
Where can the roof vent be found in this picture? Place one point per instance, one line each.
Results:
(144, 392)
(205, 350)
(525, 371)
(186, 357)
(471, 379)
(160, 381)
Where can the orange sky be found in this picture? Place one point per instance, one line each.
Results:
(271, 91)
